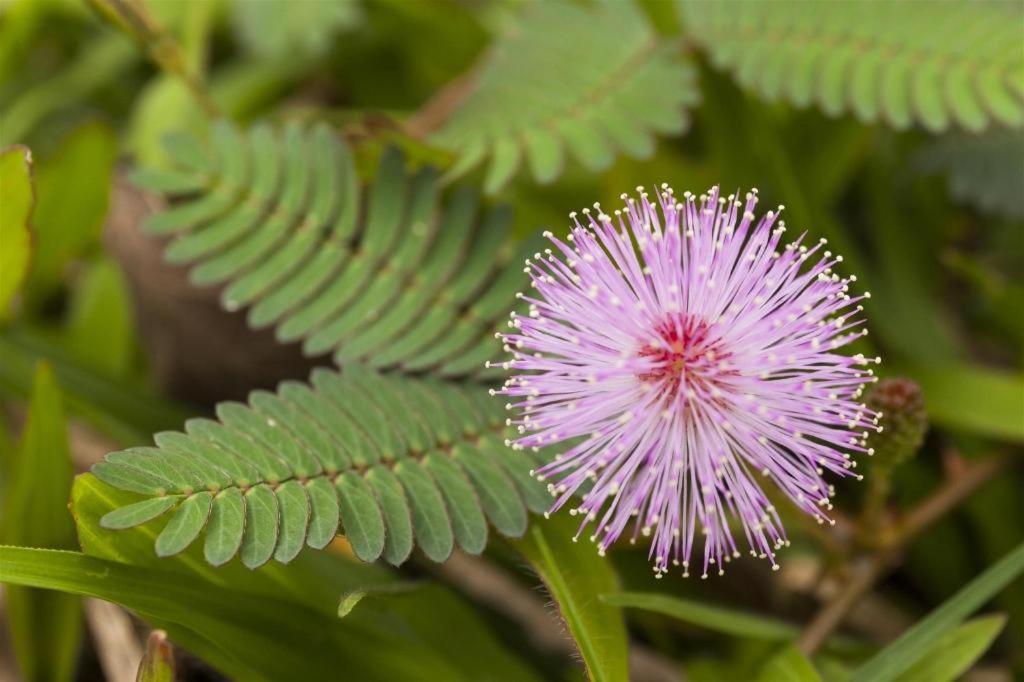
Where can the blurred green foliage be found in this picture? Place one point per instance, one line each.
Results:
(45, 626)
(15, 214)
(913, 169)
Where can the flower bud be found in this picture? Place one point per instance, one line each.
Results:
(904, 421)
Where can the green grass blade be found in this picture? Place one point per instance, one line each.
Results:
(45, 627)
(914, 644)
(953, 654)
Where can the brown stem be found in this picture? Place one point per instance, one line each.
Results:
(441, 106)
(864, 576)
(870, 570)
(948, 496)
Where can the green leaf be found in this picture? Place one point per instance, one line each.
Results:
(100, 331)
(123, 410)
(873, 60)
(72, 188)
(976, 399)
(259, 624)
(257, 630)
(717, 618)
(985, 171)
(293, 504)
(587, 79)
(430, 521)
(324, 513)
(15, 214)
(393, 274)
(100, 61)
(139, 513)
(364, 525)
(157, 663)
(574, 574)
(467, 517)
(300, 30)
(45, 627)
(227, 522)
(954, 653)
(395, 509)
(262, 526)
(788, 666)
(189, 519)
(916, 643)
(392, 458)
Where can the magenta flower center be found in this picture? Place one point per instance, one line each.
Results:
(686, 361)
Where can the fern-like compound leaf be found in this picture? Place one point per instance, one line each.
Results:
(392, 274)
(874, 60)
(388, 460)
(985, 171)
(591, 80)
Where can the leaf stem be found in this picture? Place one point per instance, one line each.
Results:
(868, 571)
(440, 107)
(135, 19)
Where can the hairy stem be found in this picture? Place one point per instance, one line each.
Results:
(490, 585)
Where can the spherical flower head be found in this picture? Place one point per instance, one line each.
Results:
(676, 352)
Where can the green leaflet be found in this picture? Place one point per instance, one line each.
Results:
(569, 79)
(985, 171)
(430, 522)
(264, 636)
(227, 523)
(385, 460)
(873, 60)
(394, 274)
(189, 519)
(395, 509)
(288, 606)
(293, 504)
(467, 517)
(262, 526)
(918, 642)
(140, 512)
(364, 525)
(304, 30)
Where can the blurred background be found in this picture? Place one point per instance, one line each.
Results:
(924, 200)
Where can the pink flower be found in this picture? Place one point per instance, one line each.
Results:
(678, 352)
